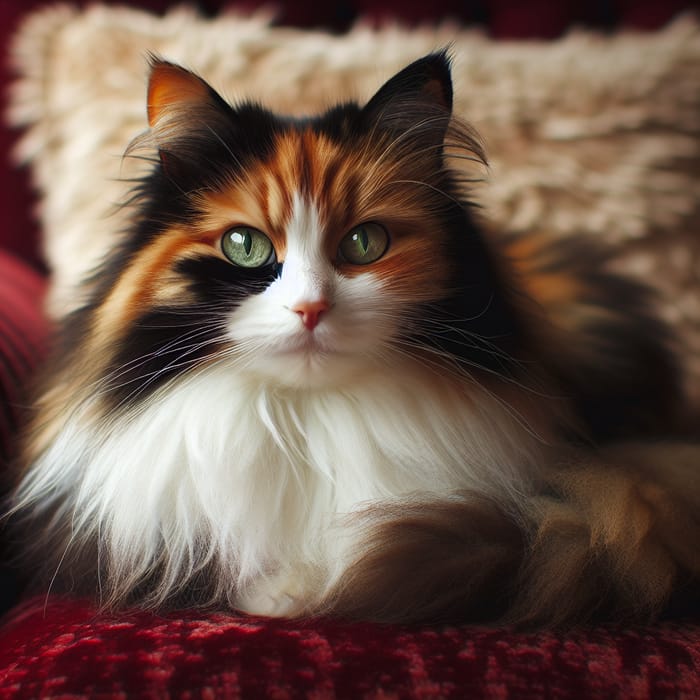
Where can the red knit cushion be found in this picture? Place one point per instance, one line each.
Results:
(63, 648)
(22, 343)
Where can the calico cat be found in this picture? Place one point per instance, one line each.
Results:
(311, 381)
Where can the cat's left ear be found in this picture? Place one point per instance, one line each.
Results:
(417, 100)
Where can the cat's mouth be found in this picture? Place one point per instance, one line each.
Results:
(310, 345)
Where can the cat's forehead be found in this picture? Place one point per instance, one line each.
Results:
(306, 175)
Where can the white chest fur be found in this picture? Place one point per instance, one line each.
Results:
(256, 481)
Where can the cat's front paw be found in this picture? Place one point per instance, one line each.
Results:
(281, 595)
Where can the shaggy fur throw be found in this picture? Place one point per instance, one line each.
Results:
(589, 134)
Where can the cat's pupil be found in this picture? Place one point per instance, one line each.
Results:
(243, 239)
(247, 242)
(364, 244)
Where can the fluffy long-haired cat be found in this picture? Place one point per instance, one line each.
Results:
(310, 382)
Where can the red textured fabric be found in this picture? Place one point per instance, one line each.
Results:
(23, 336)
(63, 648)
(18, 232)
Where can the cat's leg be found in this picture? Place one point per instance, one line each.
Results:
(274, 596)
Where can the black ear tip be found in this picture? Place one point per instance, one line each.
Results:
(435, 70)
(441, 60)
(431, 76)
(421, 91)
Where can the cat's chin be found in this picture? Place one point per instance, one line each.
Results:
(310, 367)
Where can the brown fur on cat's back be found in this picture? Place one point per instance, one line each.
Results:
(599, 335)
(438, 560)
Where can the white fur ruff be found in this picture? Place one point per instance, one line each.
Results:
(262, 483)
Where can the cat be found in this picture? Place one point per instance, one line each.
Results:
(311, 380)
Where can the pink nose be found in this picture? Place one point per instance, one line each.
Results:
(310, 312)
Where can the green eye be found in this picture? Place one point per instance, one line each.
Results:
(247, 247)
(364, 244)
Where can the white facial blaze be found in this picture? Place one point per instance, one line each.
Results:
(307, 275)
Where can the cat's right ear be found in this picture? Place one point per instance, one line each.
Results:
(177, 100)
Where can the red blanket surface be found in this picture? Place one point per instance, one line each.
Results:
(61, 648)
